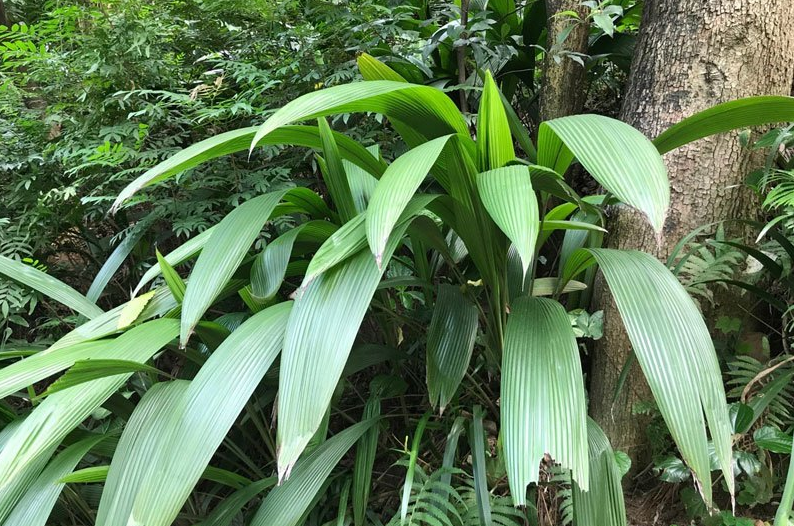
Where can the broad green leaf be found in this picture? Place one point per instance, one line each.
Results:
(49, 286)
(286, 504)
(510, 200)
(450, 342)
(221, 256)
(334, 302)
(373, 69)
(334, 174)
(362, 183)
(772, 439)
(395, 189)
(603, 504)
(427, 110)
(32, 443)
(270, 266)
(36, 504)
(543, 403)
(162, 455)
(239, 141)
(224, 513)
(494, 141)
(741, 113)
(676, 352)
(618, 156)
(548, 286)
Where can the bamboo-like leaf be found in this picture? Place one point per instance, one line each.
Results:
(224, 513)
(618, 156)
(172, 279)
(603, 504)
(333, 303)
(399, 183)
(32, 443)
(732, 115)
(479, 468)
(87, 370)
(286, 504)
(427, 110)
(675, 350)
(112, 264)
(494, 142)
(239, 141)
(365, 461)
(49, 286)
(163, 452)
(221, 256)
(270, 266)
(450, 342)
(334, 174)
(36, 504)
(543, 405)
(510, 200)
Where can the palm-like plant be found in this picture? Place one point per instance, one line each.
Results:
(447, 186)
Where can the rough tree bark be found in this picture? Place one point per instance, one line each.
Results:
(691, 54)
(562, 90)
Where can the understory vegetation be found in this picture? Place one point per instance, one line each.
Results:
(325, 263)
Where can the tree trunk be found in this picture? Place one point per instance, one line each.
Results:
(562, 89)
(691, 54)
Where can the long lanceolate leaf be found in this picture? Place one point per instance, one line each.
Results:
(239, 141)
(508, 196)
(603, 504)
(287, 503)
(741, 113)
(35, 506)
(675, 350)
(395, 189)
(618, 156)
(320, 334)
(34, 440)
(450, 341)
(221, 256)
(49, 286)
(163, 453)
(543, 407)
(427, 110)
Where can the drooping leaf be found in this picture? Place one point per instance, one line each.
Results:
(510, 200)
(395, 189)
(676, 353)
(163, 453)
(49, 286)
(427, 110)
(286, 504)
(221, 256)
(450, 342)
(494, 142)
(603, 504)
(239, 141)
(36, 504)
(618, 156)
(732, 115)
(543, 405)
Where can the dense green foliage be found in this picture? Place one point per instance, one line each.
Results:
(240, 286)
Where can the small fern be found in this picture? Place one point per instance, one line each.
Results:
(429, 503)
(744, 369)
